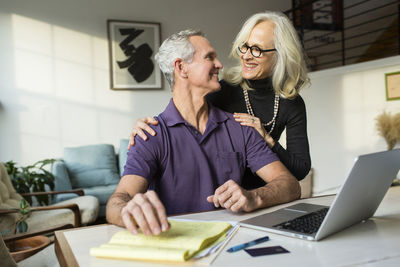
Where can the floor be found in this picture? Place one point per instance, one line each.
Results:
(44, 258)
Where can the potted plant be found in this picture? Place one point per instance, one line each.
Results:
(32, 178)
(25, 178)
(24, 210)
(23, 248)
(20, 225)
(388, 126)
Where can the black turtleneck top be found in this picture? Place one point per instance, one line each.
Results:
(291, 114)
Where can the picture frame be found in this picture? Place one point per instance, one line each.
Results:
(132, 46)
(392, 81)
(324, 15)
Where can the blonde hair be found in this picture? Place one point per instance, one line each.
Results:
(289, 73)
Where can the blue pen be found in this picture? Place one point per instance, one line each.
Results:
(248, 244)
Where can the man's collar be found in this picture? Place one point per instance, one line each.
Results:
(172, 116)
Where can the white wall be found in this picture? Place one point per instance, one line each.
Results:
(342, 104)
(54, 73)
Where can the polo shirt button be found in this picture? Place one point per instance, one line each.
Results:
(196, 132)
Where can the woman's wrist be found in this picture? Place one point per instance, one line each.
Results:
(270, 141)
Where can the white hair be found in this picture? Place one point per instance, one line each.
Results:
(174, 47)
(289, 70)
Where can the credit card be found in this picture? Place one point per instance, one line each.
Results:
(255, 252)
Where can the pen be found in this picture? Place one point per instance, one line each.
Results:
(248, 244)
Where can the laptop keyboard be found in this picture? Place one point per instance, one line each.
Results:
(308, 224)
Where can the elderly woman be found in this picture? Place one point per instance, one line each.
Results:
(263, 91)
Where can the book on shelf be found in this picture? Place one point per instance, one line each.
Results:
(186, 239)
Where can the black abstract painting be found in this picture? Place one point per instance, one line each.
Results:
(132, 47)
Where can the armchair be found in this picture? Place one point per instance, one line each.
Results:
(95, 169)
(79, 210)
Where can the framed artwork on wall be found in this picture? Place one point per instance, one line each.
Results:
(318, 14)
(392, 85)
(132, 46)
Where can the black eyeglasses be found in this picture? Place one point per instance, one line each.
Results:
(254, 50)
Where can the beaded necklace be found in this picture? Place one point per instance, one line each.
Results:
(250, 110)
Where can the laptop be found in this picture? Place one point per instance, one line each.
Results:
(357, 200)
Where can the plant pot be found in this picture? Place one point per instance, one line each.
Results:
(24, 248)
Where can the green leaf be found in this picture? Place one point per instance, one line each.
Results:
(23, 204)
(22, 226)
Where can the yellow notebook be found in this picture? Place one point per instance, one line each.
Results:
(181, 242)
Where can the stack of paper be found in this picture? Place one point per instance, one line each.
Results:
(181, 242)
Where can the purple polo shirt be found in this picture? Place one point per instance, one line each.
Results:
(184, 167)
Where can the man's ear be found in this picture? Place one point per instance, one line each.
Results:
(180, 67)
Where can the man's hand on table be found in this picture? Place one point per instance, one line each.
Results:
(145, 211)
(233, 197)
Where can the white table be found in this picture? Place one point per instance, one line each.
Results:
(375, 242)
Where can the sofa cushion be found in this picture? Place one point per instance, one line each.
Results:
(102, 193)
(88, 206)
(41, 220)
(122, 155)
(62, 197)
(91, 165)
(62, 181)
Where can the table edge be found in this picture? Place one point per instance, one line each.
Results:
(65, 256)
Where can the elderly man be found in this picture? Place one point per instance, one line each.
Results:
(196, 160)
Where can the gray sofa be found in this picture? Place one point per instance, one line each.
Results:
(95, 168)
